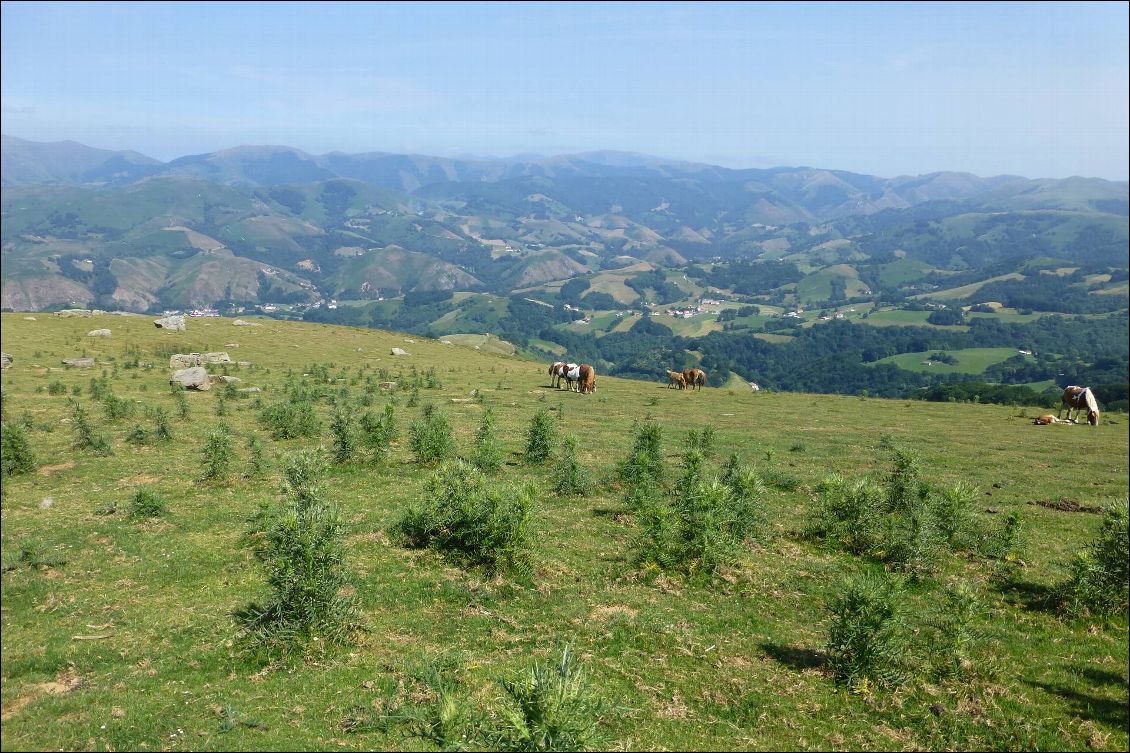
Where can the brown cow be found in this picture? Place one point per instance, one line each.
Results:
(586, 380)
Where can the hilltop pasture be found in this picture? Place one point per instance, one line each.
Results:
(119, 633)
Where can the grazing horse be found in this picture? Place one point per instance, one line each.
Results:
(698, 380)
(561, 370)
(554, 376)
(1080, 398)
(676, 379)
(586, 381)
(572, 373)
(688, 376)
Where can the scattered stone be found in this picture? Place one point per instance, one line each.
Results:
(250, 390)
(188, 360)
(195, 378)
(46, 503)
(68, 313)
(29, 318)
(98, 333)
(225, 379)
(79, 363)
(387, 385)
(117, 713)
(231, 345)
(399, 352)
(243, 364)
(241, 323)
(470, 400)
(175, 323)
(5, 361)
(409, 340)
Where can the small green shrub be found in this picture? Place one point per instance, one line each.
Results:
(550, 707)
(1100, 576)
(302, 549)
(464, 514)
(487, 452)
(147, 503)
(377, 432)
(86, 438)
(217, 454)
(867, 636)
(256, 457)
(953, 638)
(138, 435)
(117, 407)
(431, 436)
(16, 456)
(540, 437)
(163, 432)
(344, 433)
(570, 478)
(290, 419)
(56, 388)
(645, 463)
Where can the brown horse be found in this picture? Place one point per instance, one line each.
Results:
(676, 379)
(1078, 398)
(688, 377)
(586, 380)
(699, 379)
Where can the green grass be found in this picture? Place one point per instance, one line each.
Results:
(120, 633)
(969, 360)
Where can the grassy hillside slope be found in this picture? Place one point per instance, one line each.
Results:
(126, 640)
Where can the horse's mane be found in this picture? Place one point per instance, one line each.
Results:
(1089, 397)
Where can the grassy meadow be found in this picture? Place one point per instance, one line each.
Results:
(120, 634)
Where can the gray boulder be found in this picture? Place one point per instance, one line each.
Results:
(195, 378)
(5, 360)
(79, 363)
(399, 352)
(241, 323)
(174, 323)
(184, 360)
(250, 390)
(98, 333)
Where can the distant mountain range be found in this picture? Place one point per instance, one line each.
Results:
(259, 223)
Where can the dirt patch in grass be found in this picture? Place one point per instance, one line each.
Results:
(1067, 505)
(47, 470)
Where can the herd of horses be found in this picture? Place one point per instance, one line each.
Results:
(687, 379)
(1073, 398)
(582, 378)
(582, 375)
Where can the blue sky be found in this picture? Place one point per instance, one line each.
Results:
(1039, 90)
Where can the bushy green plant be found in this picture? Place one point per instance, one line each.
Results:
(117, 407)
(540, 437)
(477, 521)
(645, 463)
(867, 636)
(431, 436)
(289, 419)
(905, 489)
(702, 440)
(182, 403)
(302, 549)
(138, 435)
(147, 503)
(953, 638)
(848, 513)
(569, 476)
(16, 456)
(56, 388)
(703, 526)
(217, 454)
(256, 457)
(487, 452)
(551, 707)
(344, 433)
(163, 432)
(1100, 576)
(377, 432)
(86, 438)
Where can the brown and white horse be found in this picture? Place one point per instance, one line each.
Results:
(562, 370)
(676, 379)
(586, 379)
(699, 379)
(1078, 398)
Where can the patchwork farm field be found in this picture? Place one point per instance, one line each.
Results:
(127, 631)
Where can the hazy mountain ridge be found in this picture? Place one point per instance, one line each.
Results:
(365, 224)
